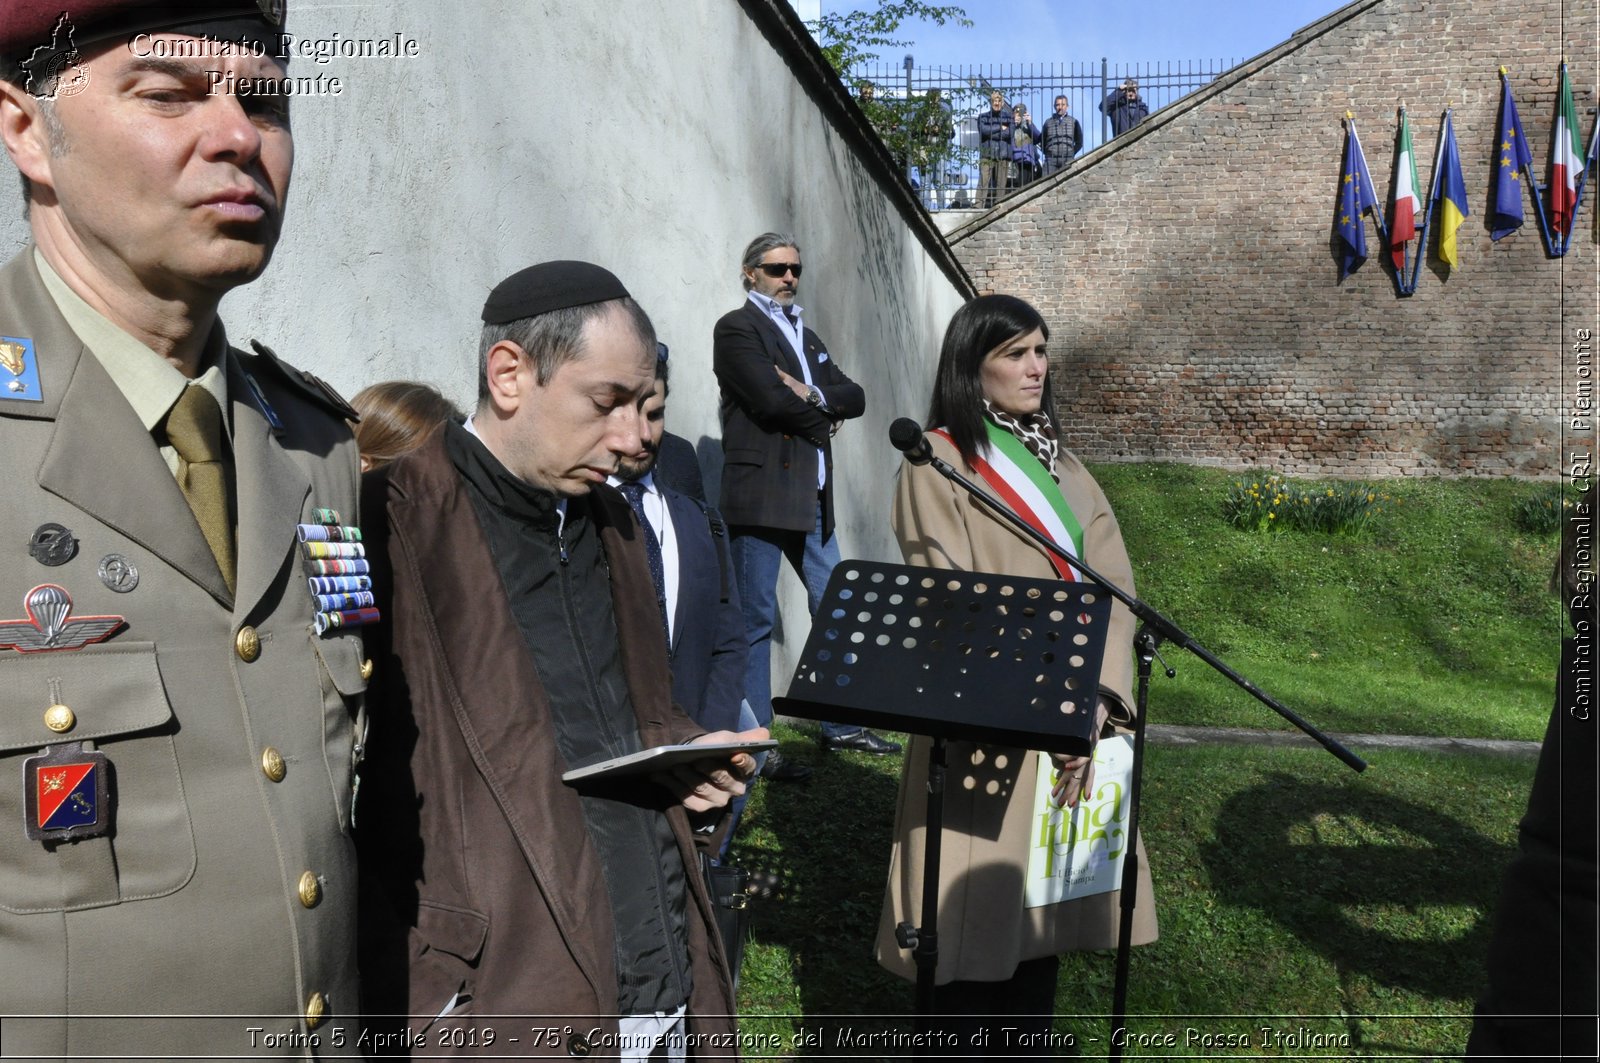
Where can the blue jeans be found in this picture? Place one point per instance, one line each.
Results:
(758, 556)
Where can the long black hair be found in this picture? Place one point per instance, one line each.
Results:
(976, 329)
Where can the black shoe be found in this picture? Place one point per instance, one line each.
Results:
(779, 770)
(862, 742)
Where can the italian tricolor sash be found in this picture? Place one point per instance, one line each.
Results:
(1021, 481)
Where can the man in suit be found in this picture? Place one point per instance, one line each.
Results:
(674, 461)
(179, 719)
(696, 592)
(678, 466)
(522, 638)
(699, 594)
(783, 398)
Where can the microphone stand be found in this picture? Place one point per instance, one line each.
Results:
(1154, 629)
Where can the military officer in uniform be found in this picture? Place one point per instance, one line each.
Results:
(180, 712)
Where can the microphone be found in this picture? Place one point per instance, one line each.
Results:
(906, 437)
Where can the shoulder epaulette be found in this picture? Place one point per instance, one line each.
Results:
(306, 384)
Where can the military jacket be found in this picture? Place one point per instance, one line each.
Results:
(224, 882)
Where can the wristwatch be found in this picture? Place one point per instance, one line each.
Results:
(814, 397)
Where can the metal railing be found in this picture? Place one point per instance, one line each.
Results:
(951, 180)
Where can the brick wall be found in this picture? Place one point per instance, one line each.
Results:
(1193, 298)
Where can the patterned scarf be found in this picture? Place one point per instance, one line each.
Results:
(1034, 432)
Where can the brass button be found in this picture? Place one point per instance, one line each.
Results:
(310, 891)
(366, 669)
(60, 719)
(272, 764)
(316, 1010)
(247, 644)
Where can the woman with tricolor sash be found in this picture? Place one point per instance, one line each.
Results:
(993, 419)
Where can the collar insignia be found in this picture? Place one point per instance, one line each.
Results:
(19, 370)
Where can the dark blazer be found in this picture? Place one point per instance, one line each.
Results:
(678, 466)
(770, 436)
(709, 647)
(478, 875)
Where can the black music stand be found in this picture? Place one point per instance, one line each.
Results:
(999, 659)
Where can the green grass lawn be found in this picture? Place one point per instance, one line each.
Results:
(1293, 894)
(1434, 621)
(1297, 899)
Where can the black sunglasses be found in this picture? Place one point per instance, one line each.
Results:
(778, 269)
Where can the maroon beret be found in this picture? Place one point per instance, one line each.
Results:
(30, 25)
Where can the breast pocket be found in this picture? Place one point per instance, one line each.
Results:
(115, 703)
(744, 456)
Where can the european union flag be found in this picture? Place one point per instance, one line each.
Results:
(1356, 197)
(1513, 159)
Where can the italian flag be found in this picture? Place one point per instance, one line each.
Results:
(1021, 481)
(1407, 205)
(1566, 162)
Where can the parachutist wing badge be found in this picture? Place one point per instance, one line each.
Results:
(51, 626)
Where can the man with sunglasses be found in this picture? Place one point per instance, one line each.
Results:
(783, 398)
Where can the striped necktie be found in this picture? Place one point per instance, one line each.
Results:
(634, 493)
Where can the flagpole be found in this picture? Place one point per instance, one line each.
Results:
(1433, 201)
(1594, 159)
(1538, 193)
(1405, 250)
(1377, 215)
(1564, 92)
(1545, 232)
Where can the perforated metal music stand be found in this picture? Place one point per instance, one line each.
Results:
(972, 655)
(968, 655)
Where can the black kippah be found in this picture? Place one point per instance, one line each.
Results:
(550, 286)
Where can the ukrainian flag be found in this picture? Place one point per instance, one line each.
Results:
(1452, 195)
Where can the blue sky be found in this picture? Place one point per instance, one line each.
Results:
(1062, 31)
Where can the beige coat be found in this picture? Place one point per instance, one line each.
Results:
(984, 929)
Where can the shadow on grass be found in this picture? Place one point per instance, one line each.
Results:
(1378, 885)
(826, 843)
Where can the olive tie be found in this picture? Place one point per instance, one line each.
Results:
(205, 471)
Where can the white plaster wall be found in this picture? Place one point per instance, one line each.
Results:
(654, 138)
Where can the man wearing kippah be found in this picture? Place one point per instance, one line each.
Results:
(522, 637)
(179, 716)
